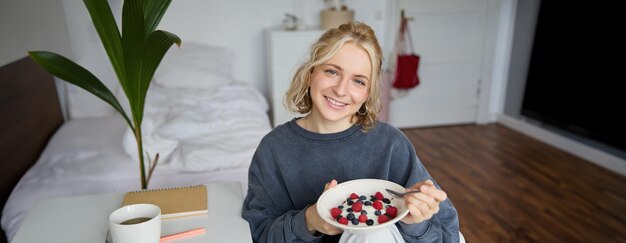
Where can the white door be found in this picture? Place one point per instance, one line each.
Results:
(449, 35)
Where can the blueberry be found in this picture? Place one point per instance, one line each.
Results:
(340, 207)
(377, 213)
(349, 210)
(386, 200)
(355, 221)
(369, 222)
(350, 216)
(367, 203)
(363, 197)
(350, 202)
(364, 212)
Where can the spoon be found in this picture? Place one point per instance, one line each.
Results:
(400, 194)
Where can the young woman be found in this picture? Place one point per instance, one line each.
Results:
(338, 139)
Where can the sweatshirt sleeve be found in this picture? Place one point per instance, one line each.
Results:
(443, 226)
(269, 223)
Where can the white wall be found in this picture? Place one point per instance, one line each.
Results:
(31, 25)
(502, 57)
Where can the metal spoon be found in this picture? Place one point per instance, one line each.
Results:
(400, 194)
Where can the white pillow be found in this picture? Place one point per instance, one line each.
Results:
(195, 66)
(83, 104)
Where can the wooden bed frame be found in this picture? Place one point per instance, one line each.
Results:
(31, 113)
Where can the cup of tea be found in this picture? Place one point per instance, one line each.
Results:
(136, 223)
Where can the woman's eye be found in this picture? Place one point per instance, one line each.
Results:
(359, 82)
(331, 71)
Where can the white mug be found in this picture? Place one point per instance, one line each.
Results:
(136, 223)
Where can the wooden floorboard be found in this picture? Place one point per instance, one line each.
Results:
(508, 187)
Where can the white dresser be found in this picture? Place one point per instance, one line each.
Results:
(287, 50)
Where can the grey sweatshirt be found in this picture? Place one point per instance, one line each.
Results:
(291, 166)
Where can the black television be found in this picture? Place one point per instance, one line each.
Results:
(577, 70)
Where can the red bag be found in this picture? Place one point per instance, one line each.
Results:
(406, 72)
(407, 63)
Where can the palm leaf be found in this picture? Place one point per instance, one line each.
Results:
(133, 39)
(71, 72)
(156, 46)
(153, 12)
(143, 53)
(105, 25)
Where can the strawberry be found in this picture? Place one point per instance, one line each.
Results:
(382, 218)
(378, 205)
(354, 196)
(357, 206)
(392, 211)
(379, 196)
(334, 212)
(343, 220)
(362, 218)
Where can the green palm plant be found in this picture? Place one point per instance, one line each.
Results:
(135, 55)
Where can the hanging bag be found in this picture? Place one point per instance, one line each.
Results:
(407, 62)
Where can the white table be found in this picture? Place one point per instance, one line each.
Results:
(85, 218)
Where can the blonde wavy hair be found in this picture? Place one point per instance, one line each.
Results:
(298, 99)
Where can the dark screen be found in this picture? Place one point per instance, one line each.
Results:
(577, 70)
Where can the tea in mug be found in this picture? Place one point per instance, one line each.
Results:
(135, 220)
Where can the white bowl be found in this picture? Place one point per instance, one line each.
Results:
(336, 196)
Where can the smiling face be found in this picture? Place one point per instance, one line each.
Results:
(339, 87)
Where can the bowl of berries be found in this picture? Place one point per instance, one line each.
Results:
(362, 205)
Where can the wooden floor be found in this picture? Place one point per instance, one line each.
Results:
(508, 187)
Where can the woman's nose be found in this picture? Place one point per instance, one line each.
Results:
(341, 87)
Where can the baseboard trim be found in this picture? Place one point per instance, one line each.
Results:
(581, 150)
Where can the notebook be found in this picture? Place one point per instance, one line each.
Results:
(174, 202)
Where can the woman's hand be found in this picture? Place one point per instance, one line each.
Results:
(315, 223)
(423, 205)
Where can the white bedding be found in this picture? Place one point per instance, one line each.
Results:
(186, 127)
(203, 136)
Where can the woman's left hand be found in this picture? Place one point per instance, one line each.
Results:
(314, 221)
(423, 205)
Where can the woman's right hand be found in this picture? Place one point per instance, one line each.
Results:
(315, 223)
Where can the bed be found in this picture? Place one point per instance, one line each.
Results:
(204, 125)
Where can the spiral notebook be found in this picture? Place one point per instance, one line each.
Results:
(174, 202)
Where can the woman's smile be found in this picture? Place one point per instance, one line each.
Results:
(334, 103)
